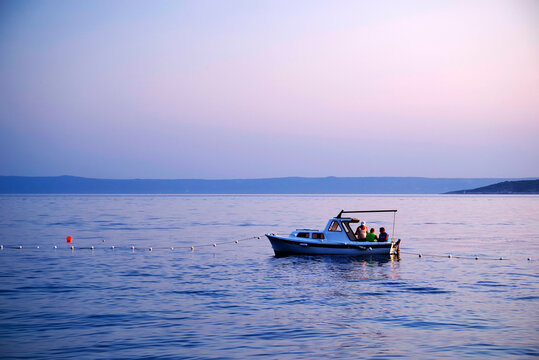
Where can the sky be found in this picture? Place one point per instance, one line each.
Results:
(256, 89)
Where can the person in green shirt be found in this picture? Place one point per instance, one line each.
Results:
(371, 236)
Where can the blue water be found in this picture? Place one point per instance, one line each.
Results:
(236, 301)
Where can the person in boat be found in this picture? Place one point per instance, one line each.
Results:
(371, 236)
(383, 235)
(361, 231)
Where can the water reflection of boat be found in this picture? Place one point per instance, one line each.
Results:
(337, 238)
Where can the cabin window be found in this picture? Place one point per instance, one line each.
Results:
(318, 236)
(334, 226)
(303, 235)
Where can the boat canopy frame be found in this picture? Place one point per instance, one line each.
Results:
(371, 211)
(362, 211)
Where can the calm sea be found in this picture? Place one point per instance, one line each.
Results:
(237, 301)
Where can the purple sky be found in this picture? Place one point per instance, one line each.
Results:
(245, 89)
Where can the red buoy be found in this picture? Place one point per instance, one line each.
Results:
(69, 239)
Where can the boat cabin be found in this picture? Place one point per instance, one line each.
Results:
(335, 230)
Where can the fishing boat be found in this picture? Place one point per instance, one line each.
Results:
(337, 238)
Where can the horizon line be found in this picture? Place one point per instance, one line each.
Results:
(273, 178)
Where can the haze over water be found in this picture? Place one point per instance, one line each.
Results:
(239, 301)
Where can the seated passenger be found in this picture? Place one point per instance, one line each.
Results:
(361, 231)
(383, 235)
(371, 236)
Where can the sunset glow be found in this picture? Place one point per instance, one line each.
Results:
(242, 89)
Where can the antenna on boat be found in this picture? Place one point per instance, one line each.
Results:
(393, 234)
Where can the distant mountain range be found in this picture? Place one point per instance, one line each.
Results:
(286, 185)
(505, 187)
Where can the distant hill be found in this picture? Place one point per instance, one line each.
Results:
(505, 187)
(287, 185)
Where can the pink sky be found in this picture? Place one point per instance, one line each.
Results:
(242, 89)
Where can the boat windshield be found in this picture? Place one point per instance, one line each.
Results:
(348, 230)
(334, 226)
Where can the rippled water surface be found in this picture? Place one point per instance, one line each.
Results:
(237, 301)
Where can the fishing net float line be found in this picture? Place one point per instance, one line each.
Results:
(237, 241)
(113, 247)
